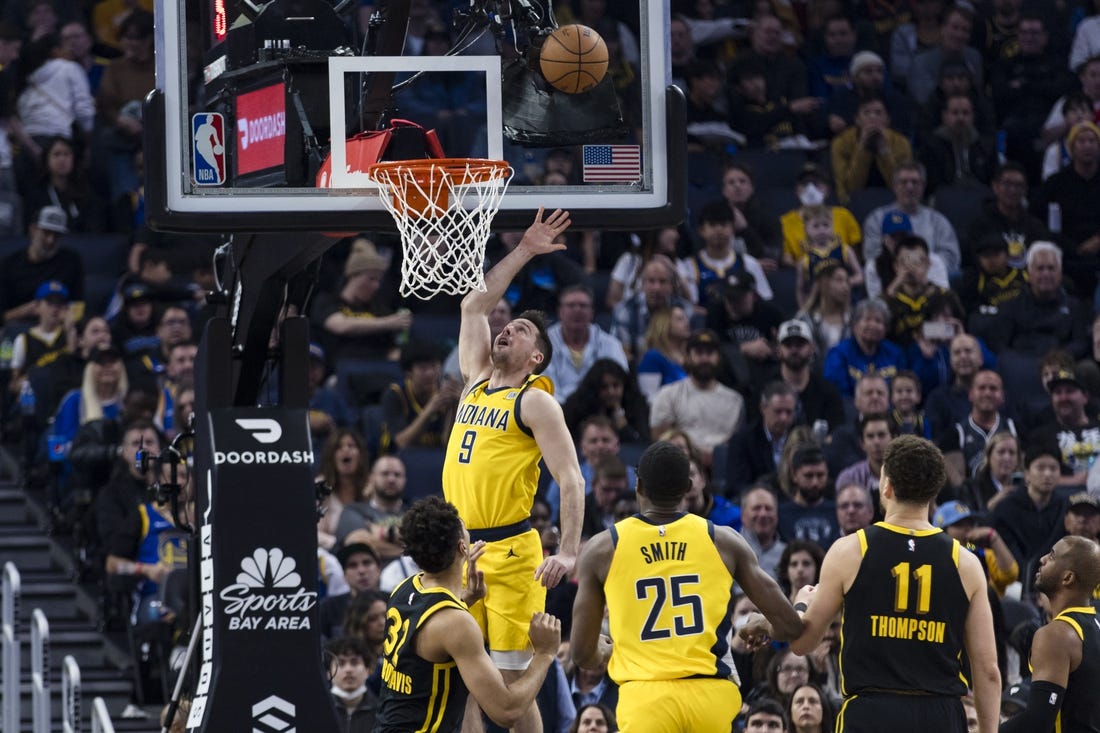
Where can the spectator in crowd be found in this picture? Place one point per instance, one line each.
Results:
(883, 270)
(379, 508)
(812, 189)
(1005, 213)
(875, 433)
(1028, 517)
(1000, 471)
(907, 417)
(855, 507)
(79, 46)
(53, 97)
(708, 128)
(1001, 568)
(1074, 190)
(1044, 316)
(992, 281)
(809, 515)
(929, 356)
(909, 39)
(630, 319)
(362, 570)
(868, 154)
(1073, 430)
(101, 395)
(828, 307)
(755, 449)
(964, 447)
(817, 398)
(753, 223)
(118, 104)
(45, 341)
(1088, 368)
(328, 410)
(626, 275)
(765, 714)
(681, 50)
(829, 68)
(129, 482)
(810, 710)
(701, 499)
(868, 77)
(956, 153)
(949, 402)
(350, 665)
(357, 321)
(419, 410)
(867, 351)
(344, 469)
(1025, 87)
(593, 689)
(955, 78)
(999, 32)
(821, 248)
(799, 566)
(719, 258)
(608, 485)
(366, 621)
(911, 290)
(66, 370)
(743, 321)
(134, 329)
(61, 182)
(44, 259)
(708, 411)
(666, 347)
(843, 447)
(608, 389)
(785, 74)
(1057, 125)
(578, 342)
(909, 184)
(954, 44)
(1082, 516)
(147, 370)
(598, 442)
(760, 528)
(1076, 108)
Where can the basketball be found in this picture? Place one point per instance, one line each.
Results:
(573, 59)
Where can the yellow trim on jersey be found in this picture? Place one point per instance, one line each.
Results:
(432, 720)
(1072, 622)
(843, 709)
(143, 512)
(862, 535)
(907, 531)
(955, 552)
(840, 655)
(1058, 722)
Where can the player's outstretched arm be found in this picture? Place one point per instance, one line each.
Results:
(758, 585)
(461, 639)
(473, 335)
(542, 413)
(1055, 652)
(981, 646)
(586, 645)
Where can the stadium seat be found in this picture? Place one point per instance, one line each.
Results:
(371, 421)
(783, 283)
(778, 201)
(865, 200)
(961, 204)
(773, 169)
(441, 330)
(423, 472)
(362, 381)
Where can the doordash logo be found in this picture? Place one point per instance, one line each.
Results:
(264, 430)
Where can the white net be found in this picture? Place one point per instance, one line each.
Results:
(443, 210)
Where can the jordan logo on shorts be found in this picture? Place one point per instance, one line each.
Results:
(511, 553)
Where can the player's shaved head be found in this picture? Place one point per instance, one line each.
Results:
(1082, 556)
(664, 473)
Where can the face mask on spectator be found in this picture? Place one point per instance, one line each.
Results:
(811, 195)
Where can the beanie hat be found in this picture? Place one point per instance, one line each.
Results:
(364, 256)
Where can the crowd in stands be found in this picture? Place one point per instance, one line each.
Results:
(892, 228)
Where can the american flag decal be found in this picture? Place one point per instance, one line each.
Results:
(612, 163)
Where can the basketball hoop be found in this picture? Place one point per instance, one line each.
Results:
(443, 241)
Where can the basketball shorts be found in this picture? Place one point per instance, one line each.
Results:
(695, 705)
(873, 713)
(512, 595)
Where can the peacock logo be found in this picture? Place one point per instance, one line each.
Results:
(268, 594)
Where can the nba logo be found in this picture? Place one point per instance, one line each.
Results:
(208, 148)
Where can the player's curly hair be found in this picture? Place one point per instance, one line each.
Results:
(430, 530)
(542, 338)
(915, 468)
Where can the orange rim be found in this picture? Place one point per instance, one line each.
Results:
(410, 202)
(480, 168)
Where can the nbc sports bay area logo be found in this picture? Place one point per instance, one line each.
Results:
(268, 594)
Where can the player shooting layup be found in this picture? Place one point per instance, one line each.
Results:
(507, 419)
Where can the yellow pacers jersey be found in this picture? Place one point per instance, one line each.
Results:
(492, 467)
(669, 600)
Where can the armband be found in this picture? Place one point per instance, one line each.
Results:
(1043, 705)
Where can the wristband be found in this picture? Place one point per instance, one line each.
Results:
(800, 607)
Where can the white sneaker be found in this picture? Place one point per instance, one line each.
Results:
(133, 712)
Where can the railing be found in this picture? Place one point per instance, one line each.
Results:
(101, 719)
(70, 695)
(11, 661)
(40, 674)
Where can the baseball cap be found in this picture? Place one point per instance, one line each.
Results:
(950, 513)
(103, 353)
(1017, 696)
(53, 219)
(54, 289)
(704, 339)
(794, 329)
(896, 221)
(740, 282)
(992, 242)
(357, 548)
(1064, 376)
(864, 59)
(135, 292)
(1083, 499)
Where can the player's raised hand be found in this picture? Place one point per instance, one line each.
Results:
(805, 594)
(757, 632)
(555, 569)
(475, 579)
(545, 633)
(539, 237)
